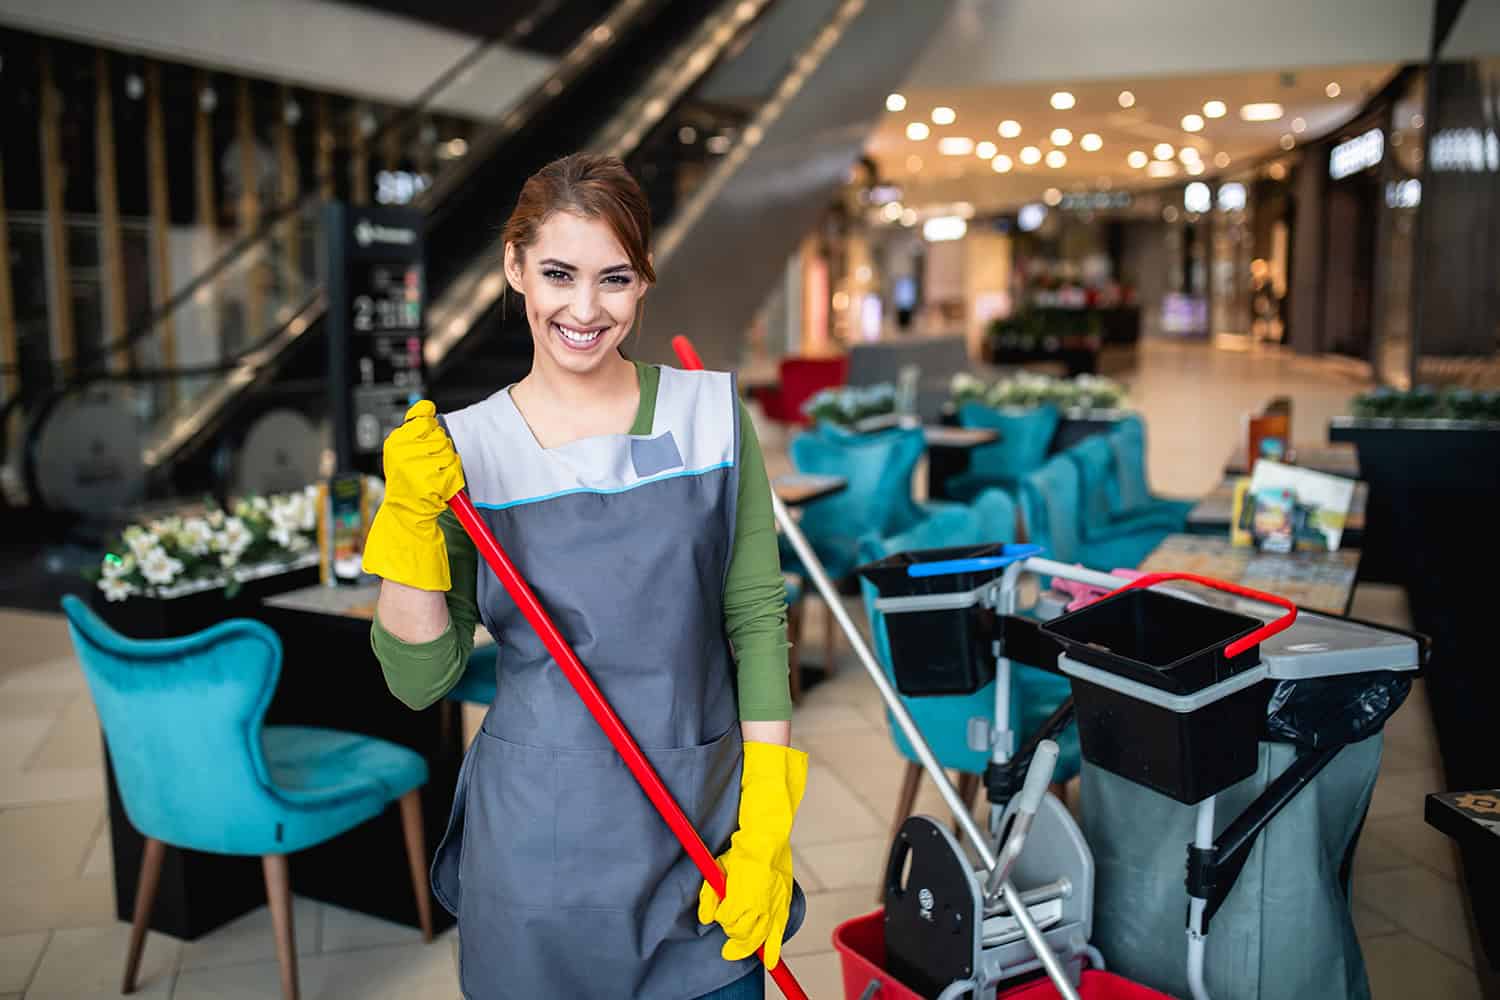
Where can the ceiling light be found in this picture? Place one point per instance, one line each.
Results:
(1061, 137)
(1277, 171)
(1127, 99)
(1299, 125)
(917, 131)
(1010, 128)
(943, 115)
(1052, 196)
(909, 218)
(1195, 168)
(1188, 154)
(1162, 168)
(955, 145)
(1137, 159)
(914, 163)
(1031, 155)
(895, 102)
(1221, 159)
(1267, 111)
(718, 144)
(1062, 100)
(986, 150)
(1192, 123)
(1091, 142)
(1287, 142)
(1196, 197)
(1002, 164)
(1056, 159)
(687, 135)
(1163, 151)
(1333, 90)
(944, 227)
(1417, 121)
(1214, 109)
(892, 212)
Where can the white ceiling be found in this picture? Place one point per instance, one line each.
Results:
(1155, 117)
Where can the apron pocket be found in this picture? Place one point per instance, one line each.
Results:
(508, 842)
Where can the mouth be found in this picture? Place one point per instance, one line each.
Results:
(579, 338)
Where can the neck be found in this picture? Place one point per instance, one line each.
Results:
(613, 380)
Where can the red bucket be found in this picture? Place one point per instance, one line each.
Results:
(861, 947)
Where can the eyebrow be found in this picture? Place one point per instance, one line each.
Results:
(562, 265)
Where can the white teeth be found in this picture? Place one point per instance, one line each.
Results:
(577, 338)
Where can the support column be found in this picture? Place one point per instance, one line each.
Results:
(59, 278)
(111, 243)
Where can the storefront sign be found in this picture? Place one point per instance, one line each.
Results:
(1466, 150)
(1359, 153)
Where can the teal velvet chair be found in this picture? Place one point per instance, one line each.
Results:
(1052, 501)
(1100, 509)
(943, 719)
(1134, 496)
(198, 770)
(477, 683)
(1024, 438)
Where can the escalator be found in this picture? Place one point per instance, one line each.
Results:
(709, 102)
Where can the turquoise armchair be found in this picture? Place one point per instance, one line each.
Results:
(197, 769)
(1134, 496)
(1052, 501)
(1102, 516)
(1025, 436)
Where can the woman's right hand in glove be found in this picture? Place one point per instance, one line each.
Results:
(422, 473)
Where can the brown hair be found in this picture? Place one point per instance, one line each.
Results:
(595, 187)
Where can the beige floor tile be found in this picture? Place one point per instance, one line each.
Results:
(1426, 906)
(33, 706)
(1370, 923)
(53, 786)
(1403, 793)
(1403, 968)
(1404, 758)
(849, 864)
(825, 911)
(74, 742)
(346, 930)
(251, 939)
(88, 962)
(831, 812)
(31, 638)
(804, 874)
(41, 843)
(20, 738)
(1382, 604)
(55, 674)
(70, 902)
(18, 959)
(820, 975)
(1373, 856)
(1409, 834)
(397, 973)
(101, 859)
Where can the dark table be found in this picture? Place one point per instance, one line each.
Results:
(948, 452)
(799, 488)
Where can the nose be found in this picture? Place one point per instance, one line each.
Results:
(585, 304)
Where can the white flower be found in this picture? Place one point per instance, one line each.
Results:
(216, 519)
(140, 541)
(282, 536)
(229, 559)
(260, 504)
(115, 567)
(300, 543)
(115, 589)
(195, 537)
(235, 537)
(158, 567)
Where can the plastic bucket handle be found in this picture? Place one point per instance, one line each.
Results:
(1012, 553)
(1237, 647)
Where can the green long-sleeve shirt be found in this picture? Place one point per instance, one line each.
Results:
(420, 673)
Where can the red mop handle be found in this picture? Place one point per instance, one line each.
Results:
(1239, 645)
(603, 713)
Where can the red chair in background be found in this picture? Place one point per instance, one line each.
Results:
(801, 379)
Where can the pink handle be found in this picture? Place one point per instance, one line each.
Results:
(1239, 645)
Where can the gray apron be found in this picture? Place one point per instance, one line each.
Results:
(564, 879)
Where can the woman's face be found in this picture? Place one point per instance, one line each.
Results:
(581, 292)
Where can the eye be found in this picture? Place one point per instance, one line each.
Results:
(620, 280)
(554, 274)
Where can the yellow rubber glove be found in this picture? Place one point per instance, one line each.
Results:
(422, 472)
(758, 865)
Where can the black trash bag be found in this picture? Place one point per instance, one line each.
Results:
(1321, 712)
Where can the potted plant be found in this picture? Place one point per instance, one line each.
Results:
(1089, 404)
(853, 407)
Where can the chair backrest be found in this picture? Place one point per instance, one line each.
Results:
(182, 720)
(996, 512)
(878, 467)
(940, 358)
(802, 378)
(1128, 440)
(1050, 498)
(1024, 437)
(1097, 473)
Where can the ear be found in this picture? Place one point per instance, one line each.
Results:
(513, 268)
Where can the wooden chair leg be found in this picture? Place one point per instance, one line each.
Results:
(910, 785)
(145, 898)
(279, 896)
(416, 858)
(794, 655)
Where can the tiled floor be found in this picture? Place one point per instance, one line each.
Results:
(59, 938)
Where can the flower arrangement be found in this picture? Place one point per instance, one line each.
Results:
(1427, 403)
(179, 554)
(849, 404)
(1027, 389)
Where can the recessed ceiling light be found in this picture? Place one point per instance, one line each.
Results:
(1137, 159)
(1188, 154)
(986, 150)
(1221, 159)
(955, 145)
(1417, 121)
(1162, 168)
(1091, 142)
(1192, 123)
(1031, 155)
(1287, 142)
(892, 211)
(909, 218)
(1169, 213)
(1277, 171)
(1163, 151)
(917, 131)
(1266, 111)
(1214, 109)
(1299, 125)
(1056, 159)
(943, 115)
(1127, 99)
(1062, 100)
(1333, 90)
(1052, 196)
(895, 102)
(1195, 168)
(1010, 128)
(914, 163)
(1002, 164)
(1061, 137)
